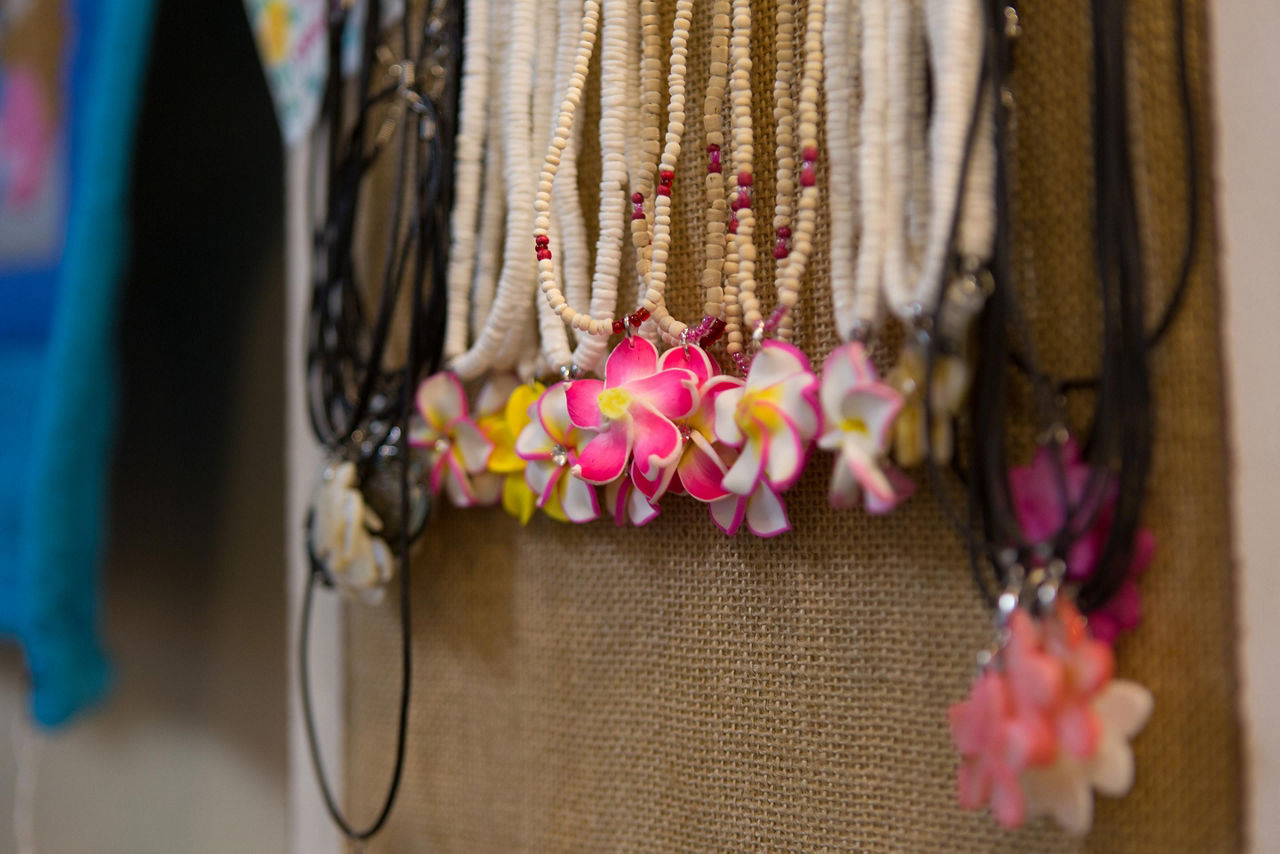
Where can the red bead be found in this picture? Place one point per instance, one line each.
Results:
(637, 198)
(780, 250)
(664, 189)
(733, 225)
(638, 213)
(541, 240)
(810, 155)
(666, 176)
(619, 327)
(744, 179)
(784, 232)
(643, 314)
(712, 148)
(744, 198)
(808, 177)
(544, 254)
(634, 319)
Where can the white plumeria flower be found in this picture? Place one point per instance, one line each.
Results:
(343, 536)
(859, 414)
(456, 448)
(771, 420)
(1064, 790)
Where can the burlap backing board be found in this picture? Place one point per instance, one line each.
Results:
(669, 689)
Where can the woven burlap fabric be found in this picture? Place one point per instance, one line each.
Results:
(669, 689)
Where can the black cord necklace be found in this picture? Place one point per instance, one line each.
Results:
(360, 408)
(1119, 437)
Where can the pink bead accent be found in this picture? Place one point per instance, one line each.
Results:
(808, 177)
(637, 198)
(810, 155)
(714, 164)
(744, 198)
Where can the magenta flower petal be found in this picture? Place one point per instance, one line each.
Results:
(693, 359)
(701, 470)
(605, 457)
(581, 399)
(672, 393)
(657, 441)
(632, 359)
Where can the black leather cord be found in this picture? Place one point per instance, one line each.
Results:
(357, 407)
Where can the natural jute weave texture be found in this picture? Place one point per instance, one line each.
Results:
(669, 689)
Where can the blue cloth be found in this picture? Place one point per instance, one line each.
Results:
(57, 379)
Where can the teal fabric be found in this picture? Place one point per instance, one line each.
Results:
(58, 405)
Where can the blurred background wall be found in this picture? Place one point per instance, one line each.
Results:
(188, 753)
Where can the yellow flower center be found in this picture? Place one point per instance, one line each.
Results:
(614, 403)
(855, 425)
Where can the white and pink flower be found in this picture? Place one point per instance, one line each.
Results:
(457, 450)
(771, 420)
(860, 410)
(631, 414)
(550, 443)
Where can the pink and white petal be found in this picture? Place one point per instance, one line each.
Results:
(766, 513)
(704, 417)
(727, 513)
(797, 396)
(775, 362)
(654, 487)
(691, 358)
(727, 428)
(471, 445)
(541, 476)
(672, 393)
(581, 403)
(615, 497)
(552, 412)
(845, 491)
(634, 358)
(869, 474)
(604, 458)
(578, 500)
(457, 485)
(902, 489)
(533, 443)
(639, 509)
(441, 399)
(744, 474)
(840, 373)
(657, 441)
(876, 406)
(787, 450)
(439, 470)
(701, 470)
(421, 434)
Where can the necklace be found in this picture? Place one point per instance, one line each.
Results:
(793, 248)
(367, 436)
